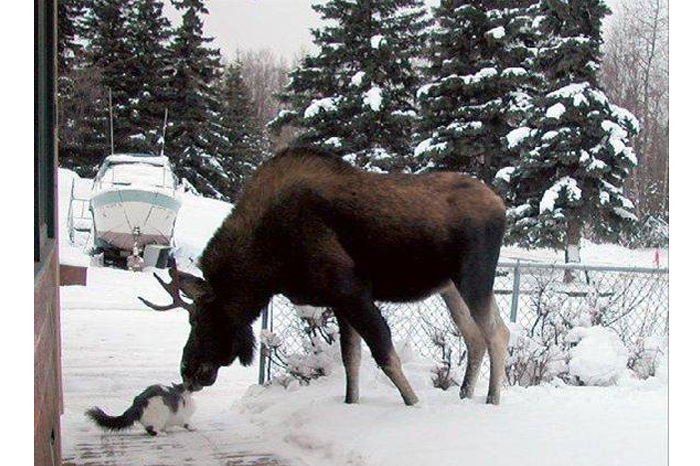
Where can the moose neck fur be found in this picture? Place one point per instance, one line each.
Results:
(239, 262)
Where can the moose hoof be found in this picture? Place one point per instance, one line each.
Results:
(466, 392)
(493, 399)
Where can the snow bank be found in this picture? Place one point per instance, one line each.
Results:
(599, 357)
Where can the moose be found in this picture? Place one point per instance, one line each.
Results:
(324, 233)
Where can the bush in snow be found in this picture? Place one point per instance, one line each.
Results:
(442, 372)
(530, 362)
(649, 357)
(597, 356)
(318, 354)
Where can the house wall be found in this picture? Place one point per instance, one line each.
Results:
(47, 375)
(47, 341)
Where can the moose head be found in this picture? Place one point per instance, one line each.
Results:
(216, 339)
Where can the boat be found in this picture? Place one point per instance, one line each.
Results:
(134, 202)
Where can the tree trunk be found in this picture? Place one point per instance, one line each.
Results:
(573, 245)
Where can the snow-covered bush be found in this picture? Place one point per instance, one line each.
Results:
(319, 352)
(649, 357)
(597, 356)
(529, 362)
(442, 372)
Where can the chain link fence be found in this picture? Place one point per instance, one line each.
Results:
(540, 299)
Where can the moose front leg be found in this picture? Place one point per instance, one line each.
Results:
(352, 355)
(367, 320)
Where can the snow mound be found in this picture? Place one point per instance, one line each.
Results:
(599, 357)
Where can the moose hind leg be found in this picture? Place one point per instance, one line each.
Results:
(366, 318)
(496, 334)
(352, 354)
(476, 346)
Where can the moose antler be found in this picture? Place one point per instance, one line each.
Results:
(173, 289)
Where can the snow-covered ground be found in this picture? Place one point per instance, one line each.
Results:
(544, 425)
(113, 347)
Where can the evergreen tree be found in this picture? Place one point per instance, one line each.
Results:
(149, 36)
(480, 84)
(193, 135)
(243, 143)
(356, 95)
(70, 30)
(110, 52)
(574, 151)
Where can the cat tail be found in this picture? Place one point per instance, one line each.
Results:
(108, 422)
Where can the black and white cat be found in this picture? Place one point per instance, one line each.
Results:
(156, 408)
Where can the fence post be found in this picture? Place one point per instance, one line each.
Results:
(516, 293)
(261, 368)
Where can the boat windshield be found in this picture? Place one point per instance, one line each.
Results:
(136, 173)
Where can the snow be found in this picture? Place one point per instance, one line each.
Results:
(546, 425)
(550, 197)
(376, 41)
(427, 145)
(113, 347)
(482, 74)
(497, 33)
(334, 142)
(575, 91)
(624, 115)
(373, 98)
(356, 79)
(516, 136)
(505, 174)
(130, 158)
(513, 72)
(327, 104)
(599, 357)
(556, 111)
(136, 172)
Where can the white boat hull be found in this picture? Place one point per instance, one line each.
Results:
(127, 217)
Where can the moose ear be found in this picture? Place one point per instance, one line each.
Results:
(193, 286)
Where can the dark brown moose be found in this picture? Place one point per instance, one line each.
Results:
(323, 233)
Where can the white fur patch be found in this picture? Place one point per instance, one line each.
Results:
(159, 416)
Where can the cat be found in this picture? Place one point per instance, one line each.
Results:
(156, 408)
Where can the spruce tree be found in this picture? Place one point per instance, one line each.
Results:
(149, 36)
(574, 150)
(479, 85)
(243, 143)
(193, 135)
(355, 96)
(109, 52)
(70, 30)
